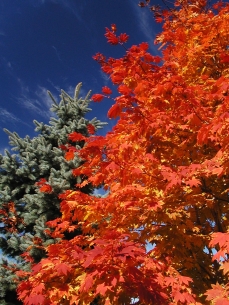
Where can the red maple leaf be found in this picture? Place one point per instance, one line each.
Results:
(219, 238)
(97, 97)
(111, 37)
(225, 267)
(158, 19)
(217, 292)
(91, 129)
(106, 90)
(101, 289)
(39, 288)
(222, 301)
(34, 299)
(62, 269)
(46, 188)
(41, 182)
(69, 155)
(114, 111)
(63, 147)
(112, 166)
(123, 38)
(87, 284)
(193, 182)
(144, 46)
(123, 89)
(37, 267)
(76, 136)
(224, 58)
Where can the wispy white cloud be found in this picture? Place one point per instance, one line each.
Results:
(9, 117)
(71, 6)
(57, 53)
(7, 66)
(145, 22)
(104, 77)
(6, 116)
(37, 102)
(43, 97)
(70, 89)
(2, 149)
(57, 88)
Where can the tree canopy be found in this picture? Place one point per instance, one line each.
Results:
(165, 168)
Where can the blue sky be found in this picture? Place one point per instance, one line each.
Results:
(49, 44)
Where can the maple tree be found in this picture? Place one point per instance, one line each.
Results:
(165, 166)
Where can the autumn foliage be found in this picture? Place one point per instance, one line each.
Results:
(165, 167)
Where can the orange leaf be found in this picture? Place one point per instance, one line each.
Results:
(193, 182)
(114, 111)
(123, 38)
(91, 129)
(46, 188)
(111, 37)
(101, 289)
(225, 267)
(97, 97)
(62, 269)
(112, 167)
(69, 155)
(34, 299)
(123, 89)
(106, 90)
(76, 136)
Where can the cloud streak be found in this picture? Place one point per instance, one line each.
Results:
(145, 19)
(70, 5)
(38, 102)
(104, 77)
(6, 116)
(57, 53)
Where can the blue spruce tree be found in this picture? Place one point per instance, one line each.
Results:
(24, 210)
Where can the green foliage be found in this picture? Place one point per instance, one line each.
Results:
(42, 157)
